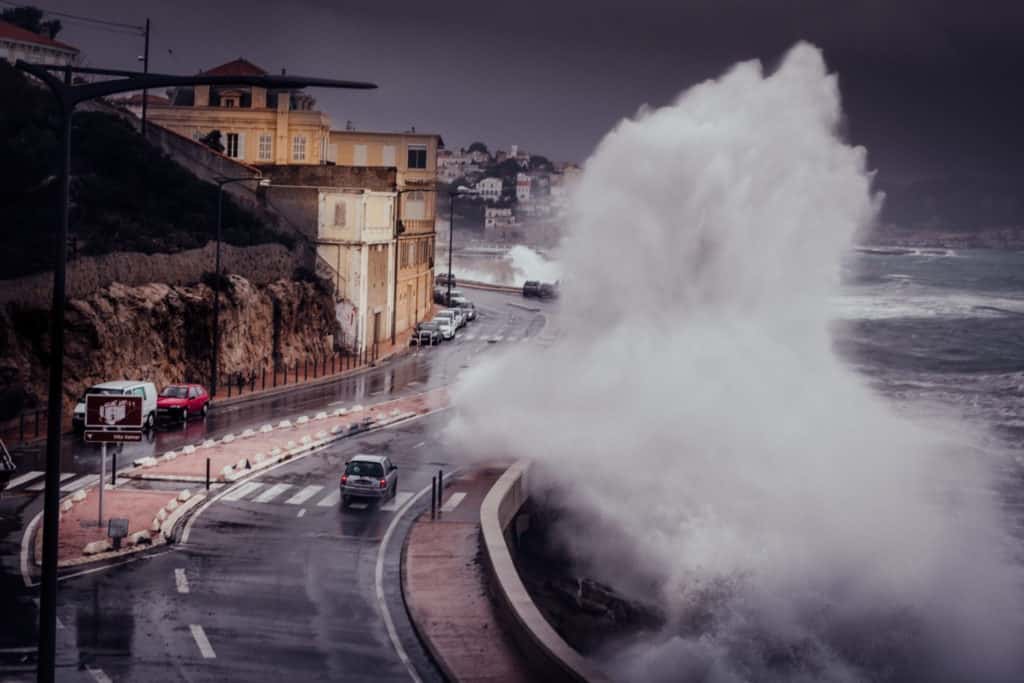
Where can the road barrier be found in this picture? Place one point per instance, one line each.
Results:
(237, 383)
(545, 648)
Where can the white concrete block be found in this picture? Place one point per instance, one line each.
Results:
(209, 443)
(228, 438)
(306, 440)
(284, 424)
(78, 496)
(320, 416)
(96, 547)
(341, 411)
(320, 435)
(66, 506)
(302, 420)
(169, 455)
(248, 433)
(161, 514)
(155, 526)
(357, 408)
(184, 495)
(336, 428)
(395, 412)
(144, 462)
(290, 445)
(275, 452)
(266, 429)
(242, 464)
(139, 538)
(259, 457)
(188, 450)
(171, 506)
(227, 470)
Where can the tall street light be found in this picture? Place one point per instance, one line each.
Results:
(68, 96)
(221, 182)
(462, 191)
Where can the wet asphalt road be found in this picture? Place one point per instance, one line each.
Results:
(276, 589)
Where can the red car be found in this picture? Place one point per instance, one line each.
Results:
(182, 401)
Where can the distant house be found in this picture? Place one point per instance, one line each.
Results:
(489, 189)
(257, 125)
(134, 103)
(498, 222)
(19, 43)
(523, 182)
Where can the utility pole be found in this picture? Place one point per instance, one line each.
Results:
(145, 70)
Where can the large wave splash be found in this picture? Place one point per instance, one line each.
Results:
(793, 527)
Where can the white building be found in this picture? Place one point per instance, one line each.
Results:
(498, 222)
(19, 43)
(489, 189)
(523, 187)
(355, 236)
(451, 165)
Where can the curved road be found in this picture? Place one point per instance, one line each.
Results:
(274, 581)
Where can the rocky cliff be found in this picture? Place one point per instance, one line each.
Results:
(163, 334)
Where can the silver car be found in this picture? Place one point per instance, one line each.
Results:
(372, 477)
(446, 325)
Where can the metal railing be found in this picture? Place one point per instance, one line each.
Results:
(271, 375)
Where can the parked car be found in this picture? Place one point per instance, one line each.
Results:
(548, 290)
(531, 288)
(372, 477)
(182, 401)
(446, 325)
(456, 316)
(147, 390)
(426, 333)
(442, 279)
(467, 307)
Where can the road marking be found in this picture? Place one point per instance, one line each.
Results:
(202, 641)
(498, 338)
(181, 580)
(80, 483)
(330, 499)
(271, 493)
(302, 513)
(453, 502)
(243, 490)
(27, 477)
(470, 337)
(98, 675)
(303, 495)
(419, 444)
(397, 501)
(64, 476)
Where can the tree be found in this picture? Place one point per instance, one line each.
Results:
(31, 19)
(540, 163)
(479, 147)
(212, 140)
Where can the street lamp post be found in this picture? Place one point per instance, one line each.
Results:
(68, 96)
(221, 182)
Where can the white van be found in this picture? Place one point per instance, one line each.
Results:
(147, 390)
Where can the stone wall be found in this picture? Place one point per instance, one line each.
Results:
(261, 264)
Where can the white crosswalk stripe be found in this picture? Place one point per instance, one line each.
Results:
(24, 479)
(470, 337)
(396, 502)
(304, 494)
(271, 493)
(330, 499)
(87, 480)
(243, 491)
(64, 476)
(453, 502)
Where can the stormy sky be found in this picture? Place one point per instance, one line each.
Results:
(932, 88)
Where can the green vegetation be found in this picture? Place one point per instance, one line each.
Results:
(31, 19)
(126, 194)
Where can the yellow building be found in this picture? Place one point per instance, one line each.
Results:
(257, 125)
(414, 155)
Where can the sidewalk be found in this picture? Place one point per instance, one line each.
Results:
(446, 590)
(152, 514)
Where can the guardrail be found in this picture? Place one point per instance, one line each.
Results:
(545, 648)
(473, 284)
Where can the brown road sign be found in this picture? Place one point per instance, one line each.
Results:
(106, 411)
(111, 437)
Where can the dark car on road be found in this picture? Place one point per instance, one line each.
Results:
(531, 288)
(540, 290)
(372, 477)
(426, 334)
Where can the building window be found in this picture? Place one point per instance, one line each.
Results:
(231, 149)
(417, 156)
(299, 148)
(266, 147)
(359, 155)
(340, 214)
(387, 154)
(415, 206)
(229, 103)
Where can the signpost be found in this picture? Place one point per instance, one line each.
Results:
(110, 418)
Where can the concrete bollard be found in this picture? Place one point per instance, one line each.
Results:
(306, 440)
(266, 429)
(65, 506)
(228, 438)
(226, 470)
(78, 496)
(248, 433)
(209, 443)
(188, 450)
(155, 526)
(336, 428)
(169, 456)
(290, 445)
(171, 506)
(284, 424)
(302, 420)
(184, 495)
(140, 538)
(341, 412)
(96, 547)
(320, 435)
(320, 416)
(357, 408)
(161, 514)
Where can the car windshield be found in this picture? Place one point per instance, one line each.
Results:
(364, 469)
(427, 327)
(175, 392)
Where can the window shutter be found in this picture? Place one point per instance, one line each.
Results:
(241, 146)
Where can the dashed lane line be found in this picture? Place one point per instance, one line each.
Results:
(243, 490)
(419, 444)
(271, 493)
(202, 641)
(98, 675)
(303, 495)
(180, 580)
(64, 476)
(302, 513)
(23, 479)
(396, 502)
(330, 499)
(453, 501)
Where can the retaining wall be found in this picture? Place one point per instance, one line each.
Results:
(551, 654)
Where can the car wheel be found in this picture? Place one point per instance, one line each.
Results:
(184, 414)
(394, 489)
(149, 422)
(344, 502)
(206, 408)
